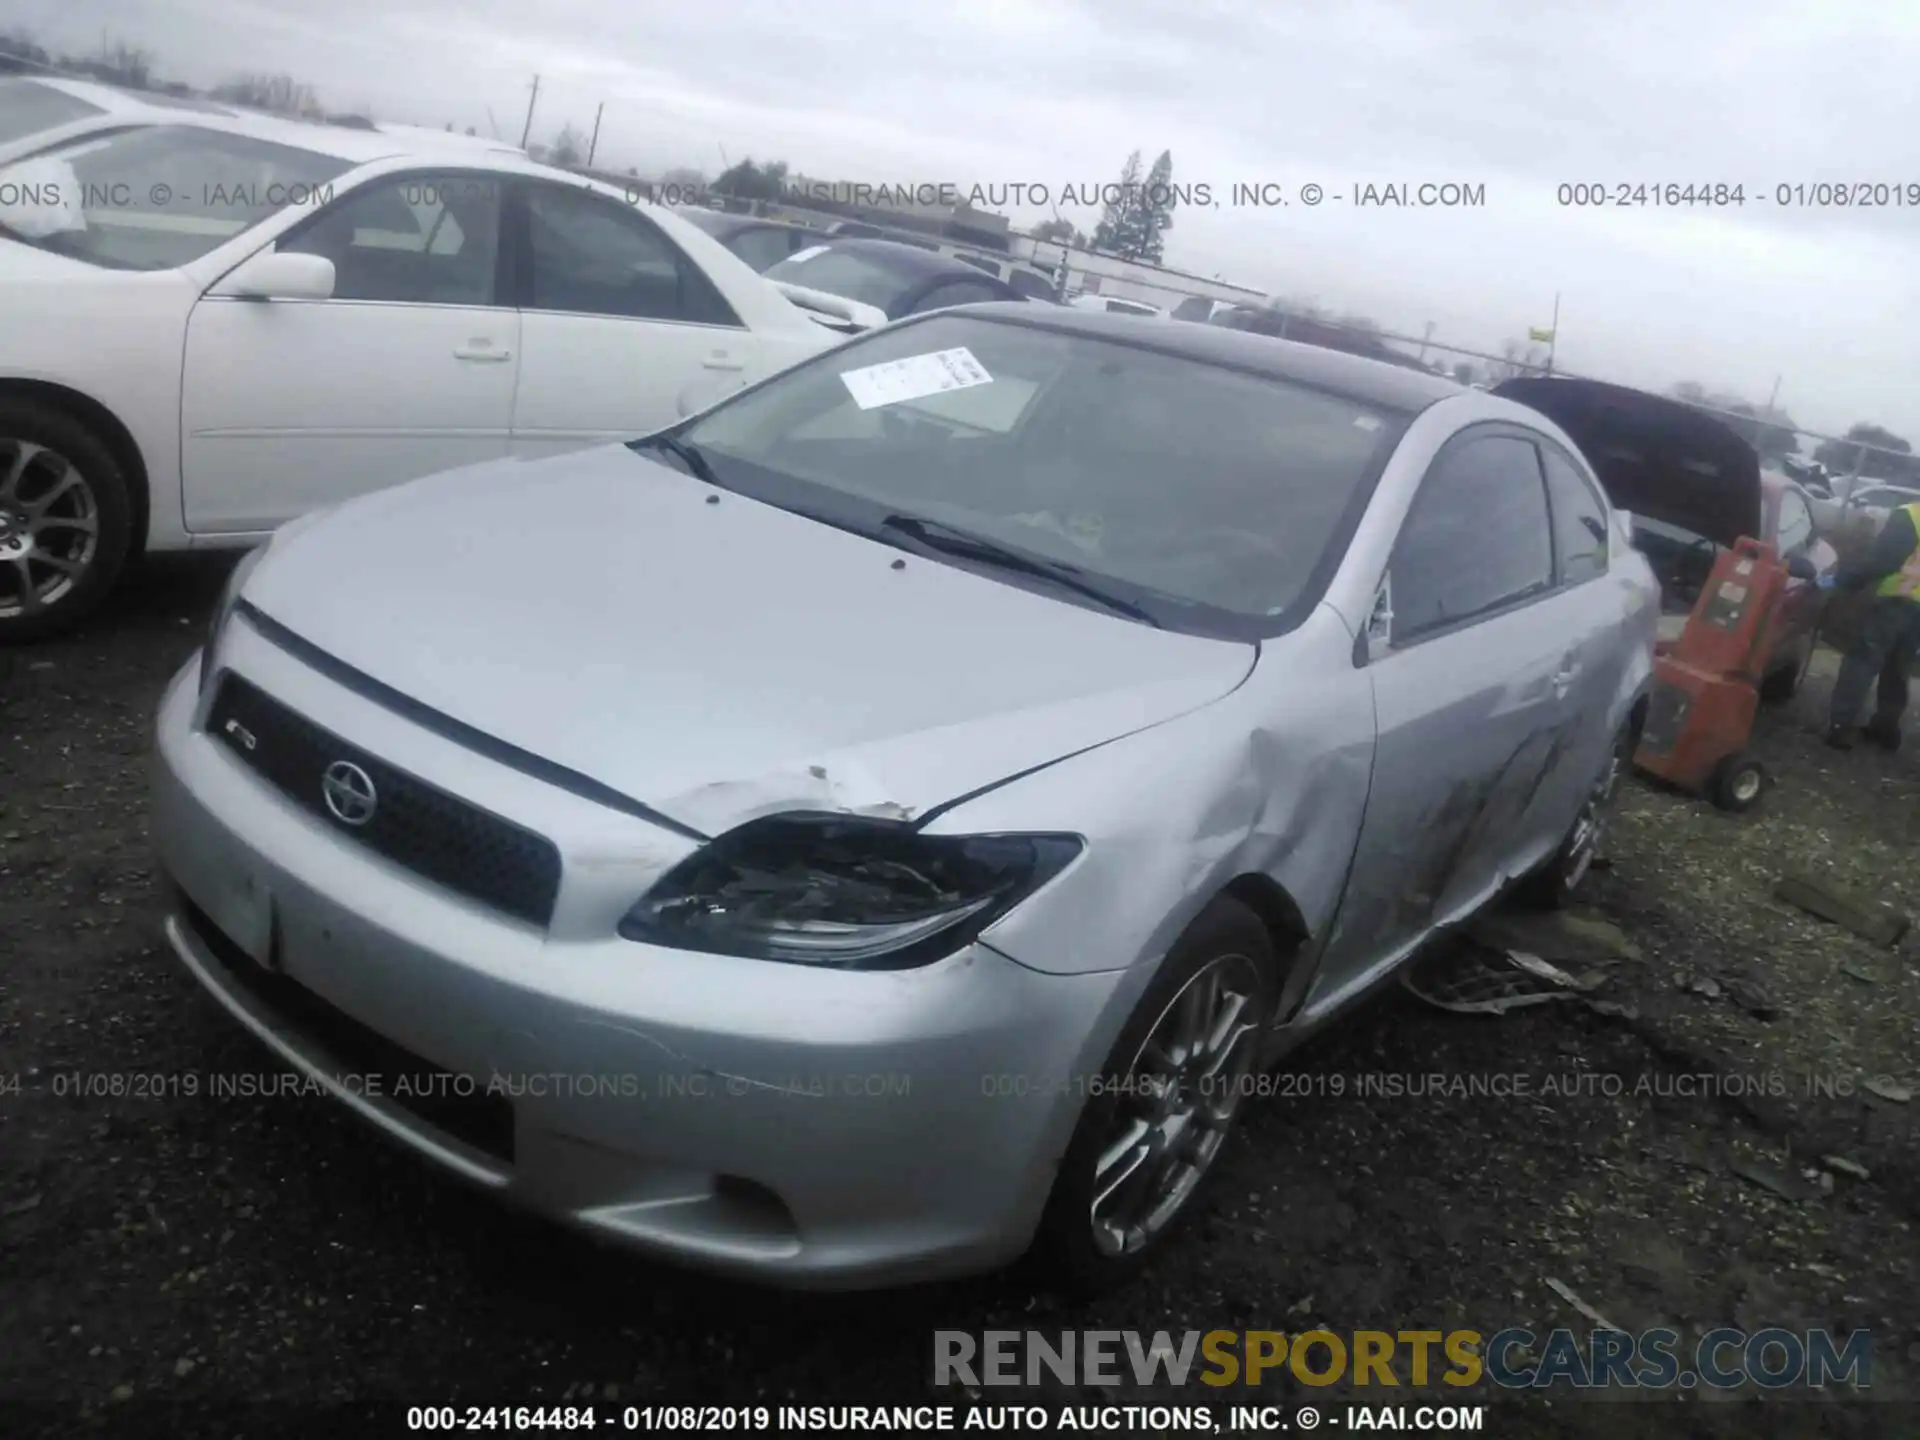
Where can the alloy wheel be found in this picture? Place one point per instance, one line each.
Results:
(49, 527)
(1591, 828)
(1176, 1104)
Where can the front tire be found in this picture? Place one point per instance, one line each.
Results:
(66, 521)
(1151, 1131)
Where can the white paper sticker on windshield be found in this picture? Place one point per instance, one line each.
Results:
(915, 377)
(806, 254)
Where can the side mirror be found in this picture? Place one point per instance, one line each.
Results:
(1379, 636)
(1799, 567)
(272, 275)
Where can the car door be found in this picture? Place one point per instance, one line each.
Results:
(1473, 674)
(1582, 559)
(621, 333)
(407, 369)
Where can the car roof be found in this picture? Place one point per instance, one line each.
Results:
(1371, 382)
(906, 261)
(116, 101)
(352, 144)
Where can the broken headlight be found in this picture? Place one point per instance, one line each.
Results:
(843, 891)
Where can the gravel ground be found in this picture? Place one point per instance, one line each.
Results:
(183, 1264)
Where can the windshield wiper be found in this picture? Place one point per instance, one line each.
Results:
(951, 540)
(685, 451)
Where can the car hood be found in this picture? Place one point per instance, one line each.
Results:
(1656, 457)
(710, 656)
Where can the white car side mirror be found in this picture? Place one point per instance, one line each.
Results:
(1380, 623)
(273, 275)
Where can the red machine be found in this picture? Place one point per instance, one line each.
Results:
(1706, 688)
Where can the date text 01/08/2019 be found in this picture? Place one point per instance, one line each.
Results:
(1787, 195)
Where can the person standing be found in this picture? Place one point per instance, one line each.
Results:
(1889, 635)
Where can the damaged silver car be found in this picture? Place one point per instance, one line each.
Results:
(879, 827)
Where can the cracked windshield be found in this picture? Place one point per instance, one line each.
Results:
(1036, 718)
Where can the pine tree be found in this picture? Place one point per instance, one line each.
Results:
(1117, 222)
(1154, 216)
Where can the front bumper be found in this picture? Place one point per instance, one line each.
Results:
(810, 1128)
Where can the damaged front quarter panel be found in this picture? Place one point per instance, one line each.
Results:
(1269, 782)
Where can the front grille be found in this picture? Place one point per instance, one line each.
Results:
(436, 835)
(456, 1105)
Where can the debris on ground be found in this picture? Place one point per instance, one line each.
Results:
(1840, 1165)
(1750, 997)
(1580, 1305)
(1779, 1182)
(1873, 921)
(1467, 980)
(1889, 1089)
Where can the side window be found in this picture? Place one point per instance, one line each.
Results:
(761, 248)
(1579, 520)
(591, 256)
(1476, 538)
(417, 239)
(1796, 523)
(955, 292)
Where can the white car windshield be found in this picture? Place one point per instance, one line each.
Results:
(1213, 498)
(158, 197)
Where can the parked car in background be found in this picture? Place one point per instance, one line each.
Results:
(40, 111)
(869, 282)
(1203, 309)
(1882, 495)
(1810, 473)
(1114, 305)
(1693, 487)
(760, 243)
(257, 318)
(996, 813)
(1030, 280)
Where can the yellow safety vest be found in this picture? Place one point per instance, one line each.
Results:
(1905, 582)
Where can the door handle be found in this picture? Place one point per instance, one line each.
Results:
(721, 362)
(486, 355)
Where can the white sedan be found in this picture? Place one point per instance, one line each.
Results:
(209, 328)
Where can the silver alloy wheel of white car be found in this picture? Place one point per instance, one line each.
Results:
(49, 527)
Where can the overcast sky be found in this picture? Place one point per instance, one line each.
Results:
(1513, 95)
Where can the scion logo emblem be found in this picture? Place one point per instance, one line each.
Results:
(349, 793)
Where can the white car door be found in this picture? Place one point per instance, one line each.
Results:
(621, 332)
(408, 369)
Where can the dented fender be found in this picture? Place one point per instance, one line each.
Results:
(1270, 780)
